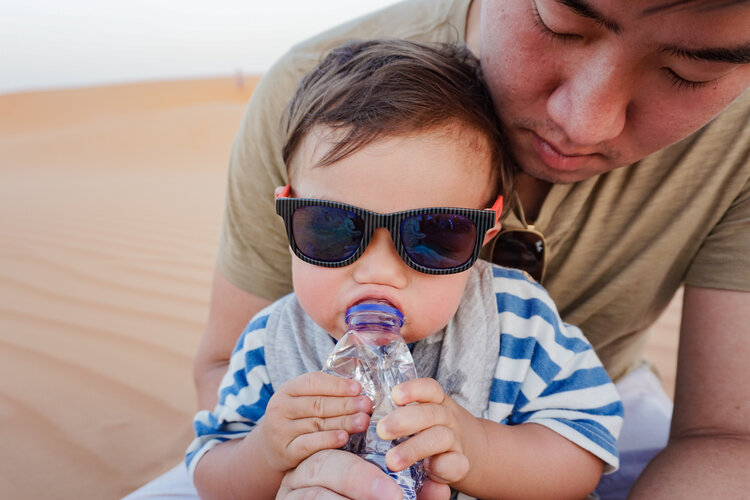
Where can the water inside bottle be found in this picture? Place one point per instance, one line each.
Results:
(374, 353)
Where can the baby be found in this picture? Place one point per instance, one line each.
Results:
(396, 181)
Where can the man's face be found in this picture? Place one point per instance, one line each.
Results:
(587, 86)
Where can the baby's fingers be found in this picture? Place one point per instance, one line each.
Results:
(421, 390)
(351, 424)
(408, 420)
(326, 406)
(429, 442)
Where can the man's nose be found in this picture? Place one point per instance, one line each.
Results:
(591, 103)
(380, 263)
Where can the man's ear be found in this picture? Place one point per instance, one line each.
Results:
(492, 233)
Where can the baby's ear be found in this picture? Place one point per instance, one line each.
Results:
(282, 191)
(492, 232)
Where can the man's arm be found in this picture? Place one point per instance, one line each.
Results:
(709, 447)
(229, 311)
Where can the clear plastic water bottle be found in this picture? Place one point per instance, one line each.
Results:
(374, 353)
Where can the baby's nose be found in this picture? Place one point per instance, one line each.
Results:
(381, 263)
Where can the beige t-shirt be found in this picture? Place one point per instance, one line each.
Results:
(619, 245)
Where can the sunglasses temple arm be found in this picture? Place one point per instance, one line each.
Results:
(284, 193)
(498, 208)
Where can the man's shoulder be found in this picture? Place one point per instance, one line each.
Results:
(426, 21)
(419, 20)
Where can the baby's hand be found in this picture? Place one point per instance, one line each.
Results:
(312, 412)
(441, 427)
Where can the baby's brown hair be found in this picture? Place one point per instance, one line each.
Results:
(376, 88)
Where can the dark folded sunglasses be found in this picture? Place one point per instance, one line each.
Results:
(520, 248)
(438, 240)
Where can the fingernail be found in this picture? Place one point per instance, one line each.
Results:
(354, 388)
(384, 488)
(360, 422)
(342, 437)
(363, 404)
(394, 459)
(382, 433)
(396, 395)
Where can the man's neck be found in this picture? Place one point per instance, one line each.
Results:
(531, 192)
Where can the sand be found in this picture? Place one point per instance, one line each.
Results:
(111, 201)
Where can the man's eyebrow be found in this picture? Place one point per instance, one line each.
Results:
(582, 8)
(732, 55)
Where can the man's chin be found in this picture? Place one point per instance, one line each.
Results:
(554, 176)
(539, 170)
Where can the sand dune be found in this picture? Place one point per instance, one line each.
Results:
(111, 200)
(111, 203)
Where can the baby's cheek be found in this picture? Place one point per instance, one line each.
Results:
(438, 301)
(316, 289)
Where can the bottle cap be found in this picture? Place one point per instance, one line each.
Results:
(375, 306)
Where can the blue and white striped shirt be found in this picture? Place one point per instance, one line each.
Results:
(545, 371)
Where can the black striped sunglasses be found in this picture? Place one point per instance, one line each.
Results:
(436, 240)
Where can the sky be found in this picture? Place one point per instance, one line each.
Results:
(49, 44)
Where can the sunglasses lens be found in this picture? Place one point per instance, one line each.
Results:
(439, 241)
(327, 234)
(520, 250)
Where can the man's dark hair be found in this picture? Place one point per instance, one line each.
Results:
(377, 88)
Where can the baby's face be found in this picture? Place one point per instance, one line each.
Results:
(444, 167)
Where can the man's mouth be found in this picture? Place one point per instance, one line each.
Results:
(557, 159)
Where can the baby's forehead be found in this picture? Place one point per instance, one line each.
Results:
(326, 145)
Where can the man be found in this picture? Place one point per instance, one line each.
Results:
(629, 123)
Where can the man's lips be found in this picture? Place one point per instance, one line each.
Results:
(558, 160)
